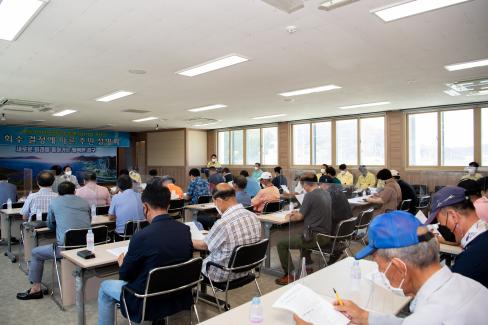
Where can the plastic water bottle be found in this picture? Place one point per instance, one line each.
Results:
(93, 210)
(9, 204)
(256, 314)
(355, 276)
(303, 271)
(90, 240)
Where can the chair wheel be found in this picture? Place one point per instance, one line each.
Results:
(226, 307)
(14, 260)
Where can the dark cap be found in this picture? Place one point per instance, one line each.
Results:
(446, 196)
(471, 186)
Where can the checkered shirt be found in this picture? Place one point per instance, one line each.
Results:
(38, 201)
(236, 227)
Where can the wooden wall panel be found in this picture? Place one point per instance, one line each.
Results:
(211, 142)
(179, 173)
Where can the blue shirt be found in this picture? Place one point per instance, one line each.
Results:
(243, 198)
(7, 191)
(126, 206)
(197, 188)
(68, 212)
(252, 187)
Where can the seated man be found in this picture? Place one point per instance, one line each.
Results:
(408, 192)
(164, 242)
(366, 179)
(252, 187)
(345, 176)
(316, 213)
(65, 212)
(214, 177)
(472, 172)
(279, 178)
(126, 205)
(92, 193)
(480, 202)
(268, 193)
(175, 190)
(39, 201)
(330, 172)
(197, 186)
(341, 209)
(389, 197)
(408, 259)
(323, 171)
(240, 183)
(213, 162)
(7, 190)
(227, 175)
(237, 226)
(458, 221)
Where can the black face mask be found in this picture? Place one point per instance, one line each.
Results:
(446, 233)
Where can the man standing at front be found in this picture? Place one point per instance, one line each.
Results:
(316, 213)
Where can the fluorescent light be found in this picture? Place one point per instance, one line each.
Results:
(205, 124)
(452, 92)
(15, 15)
(115, 95)
(65, 112)
(365, 105)
(268, 116)
(410, 8)
(309, 90)
(145, 119)
(207, 108)
(333, 4)
(466, 65)
(216, 64)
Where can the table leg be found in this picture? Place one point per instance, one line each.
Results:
(79, 275)
(9, 253)
(267, 234)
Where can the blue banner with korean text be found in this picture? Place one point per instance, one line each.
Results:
(29, 138)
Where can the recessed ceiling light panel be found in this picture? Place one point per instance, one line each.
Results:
(15, 16)
(213, 65)
(268, 116)
(309, 90)
(65, 112)
(145, 119)
(365, 105)
(115, 95)
(467, 65)
(207, 108)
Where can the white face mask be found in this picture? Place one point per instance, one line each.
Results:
(322, 171)
(397, 291)
(471, 170)
(256, 168)
(68, 172)
(214, 159)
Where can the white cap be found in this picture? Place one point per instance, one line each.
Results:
(266, 175)
(395, 173)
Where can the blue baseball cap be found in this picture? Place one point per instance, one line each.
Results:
(446, 196)
(392, 230)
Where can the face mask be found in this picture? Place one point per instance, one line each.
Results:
(397, 291)
(446, 233)
(256, 168)
(214, 159)
(471, 170)
(68, 172)
(322, 171)
(342, 172)
(218, 210)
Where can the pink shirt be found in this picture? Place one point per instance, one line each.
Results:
(481, 206)
(94, 194)
(267, 194)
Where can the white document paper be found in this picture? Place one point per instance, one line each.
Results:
(119, 250)
(421, 217)
(231, 183)
(299, 198)
(285, 189)
(281, 214)
(310, 307)
(196, 234)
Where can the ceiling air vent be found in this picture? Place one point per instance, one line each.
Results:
(23, 106)
(135, 111)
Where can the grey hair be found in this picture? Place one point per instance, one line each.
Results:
(421, 255)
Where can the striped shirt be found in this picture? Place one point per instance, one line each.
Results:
(236, 227)
(38, 201)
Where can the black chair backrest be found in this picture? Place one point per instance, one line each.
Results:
(249, 208)
(103, 210)
(176, 277)
(204, 199)
(15, 205)
(76, 238)
(364, 218)
(424, 202)
(248, 257)
(405, 205)
(175, 205)
(272, 206)
(347, 227)
(132, 226)
(420, 189)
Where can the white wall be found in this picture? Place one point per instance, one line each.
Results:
(196, 144)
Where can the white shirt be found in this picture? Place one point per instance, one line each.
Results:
(445, 298)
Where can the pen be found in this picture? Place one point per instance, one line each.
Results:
(338, 298)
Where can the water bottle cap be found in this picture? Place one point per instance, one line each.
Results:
(256, 301)
(90, 231)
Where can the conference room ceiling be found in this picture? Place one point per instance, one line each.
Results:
(76, 51)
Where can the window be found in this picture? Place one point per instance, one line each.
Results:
(301, 144)
(484, 136)
(237, 152)
(322, 143)
(457, 144)
(253, 146)
(346, 142)
(270, 146)
(372, 141)
(422, 139)
(223, 147)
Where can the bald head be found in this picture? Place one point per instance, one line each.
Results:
(223, 187)
(224, 197)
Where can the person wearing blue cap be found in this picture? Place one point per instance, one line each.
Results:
(407, 255)
(459, 223)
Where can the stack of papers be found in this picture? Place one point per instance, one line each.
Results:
(310, 307)
(421, 217)
(299, 198)
(281, 214)
(285, 189)
(119, 250)
(196, 234)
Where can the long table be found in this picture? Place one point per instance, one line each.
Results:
(371, 297)
(189, 208)
(7, 215)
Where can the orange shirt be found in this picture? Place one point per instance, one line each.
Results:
(175, 188)
(267, 194)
